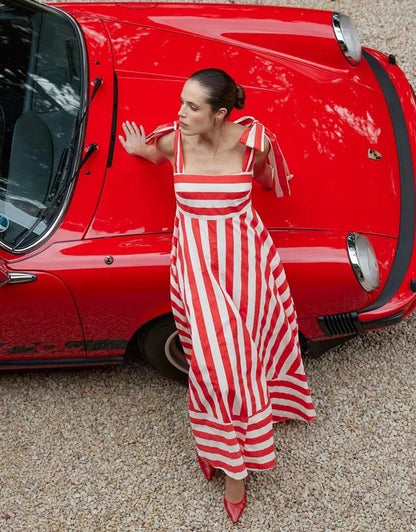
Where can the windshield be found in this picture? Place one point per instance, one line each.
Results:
(40, 101)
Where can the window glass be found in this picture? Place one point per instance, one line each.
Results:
(40, 102)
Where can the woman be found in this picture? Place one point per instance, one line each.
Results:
(230, 297)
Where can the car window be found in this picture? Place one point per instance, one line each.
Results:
(40, 101)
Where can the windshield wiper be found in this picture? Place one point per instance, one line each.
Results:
(97, 84)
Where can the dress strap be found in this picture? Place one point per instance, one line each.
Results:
(162, 130)
(254, 137)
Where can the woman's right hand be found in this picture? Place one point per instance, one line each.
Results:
(134, 143)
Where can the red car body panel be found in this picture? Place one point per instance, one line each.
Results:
(106, 267)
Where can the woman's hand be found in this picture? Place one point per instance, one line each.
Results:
(134, 143)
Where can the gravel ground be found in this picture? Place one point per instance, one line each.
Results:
(110, 449)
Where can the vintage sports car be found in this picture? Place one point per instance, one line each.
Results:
(85, 229)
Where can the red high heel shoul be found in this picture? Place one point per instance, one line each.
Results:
(235, 509)
(206, 467)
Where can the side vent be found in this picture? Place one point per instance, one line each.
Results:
(341, 324)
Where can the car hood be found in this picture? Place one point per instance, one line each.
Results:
(331, 119)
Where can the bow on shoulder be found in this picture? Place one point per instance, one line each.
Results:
(254, 137)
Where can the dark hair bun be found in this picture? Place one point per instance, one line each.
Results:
(241, 97)
(222, 91)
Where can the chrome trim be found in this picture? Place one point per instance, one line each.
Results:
(340, 37)
(21, 277)
(352, 253)
(355, 262)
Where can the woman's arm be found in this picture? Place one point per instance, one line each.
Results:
(134, 144)
(263, 172)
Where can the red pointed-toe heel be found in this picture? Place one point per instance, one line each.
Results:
(235, 509)
(206, 467)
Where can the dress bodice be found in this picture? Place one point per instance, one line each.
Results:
(253, 137)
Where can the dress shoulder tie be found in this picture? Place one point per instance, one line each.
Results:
(160, 131)
(254, 137)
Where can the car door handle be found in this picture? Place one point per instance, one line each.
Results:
(20, 278)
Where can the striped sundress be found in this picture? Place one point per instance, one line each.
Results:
(234, 312)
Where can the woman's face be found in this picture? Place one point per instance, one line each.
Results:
(195, 114)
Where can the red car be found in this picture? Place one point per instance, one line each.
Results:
(86, 229)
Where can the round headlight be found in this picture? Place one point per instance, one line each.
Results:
(347, 37)
(363, 261)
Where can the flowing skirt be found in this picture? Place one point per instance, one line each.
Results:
(237, 324)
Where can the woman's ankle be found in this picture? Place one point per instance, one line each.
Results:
(234, 489)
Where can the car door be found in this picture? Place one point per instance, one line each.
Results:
(39, 319)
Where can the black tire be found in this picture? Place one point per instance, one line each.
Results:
(159, 344)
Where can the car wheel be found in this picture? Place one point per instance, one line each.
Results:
(160, 345)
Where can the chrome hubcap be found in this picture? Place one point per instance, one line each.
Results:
(174, 353)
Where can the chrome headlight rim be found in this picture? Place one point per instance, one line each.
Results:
(363, 261)
(347, 37)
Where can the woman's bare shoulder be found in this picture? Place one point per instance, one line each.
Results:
(234, 133)
(236, 129)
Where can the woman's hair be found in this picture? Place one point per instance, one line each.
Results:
(221, 88)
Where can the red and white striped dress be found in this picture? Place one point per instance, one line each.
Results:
(234, 313)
